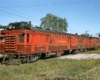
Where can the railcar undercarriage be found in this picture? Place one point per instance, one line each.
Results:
(15, 59)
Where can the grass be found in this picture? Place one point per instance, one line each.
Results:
(53, 69)
(97, 51)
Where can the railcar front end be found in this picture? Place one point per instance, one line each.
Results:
(17, 46)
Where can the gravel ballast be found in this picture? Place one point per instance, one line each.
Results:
(81, 56)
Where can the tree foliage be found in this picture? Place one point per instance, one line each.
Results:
(86, 35)
(54, 23)
(1, 26)
(98, 34)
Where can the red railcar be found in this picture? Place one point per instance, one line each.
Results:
(94, 43)
(77, 43)
(29, 44)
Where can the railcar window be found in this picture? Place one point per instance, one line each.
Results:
(51, 40)
(47, 38)
(21, 38)
(28, 38)
(80, 41)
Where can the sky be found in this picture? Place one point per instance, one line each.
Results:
(81, 15)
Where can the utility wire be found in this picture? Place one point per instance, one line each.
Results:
(21, 13)
(16, 15)
(52, 4)
(8, 15)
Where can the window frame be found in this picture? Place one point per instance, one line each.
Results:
(20, 38)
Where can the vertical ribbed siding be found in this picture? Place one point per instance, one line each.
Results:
(10, 42)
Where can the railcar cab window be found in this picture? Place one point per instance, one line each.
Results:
(20, 38)
(2, 39)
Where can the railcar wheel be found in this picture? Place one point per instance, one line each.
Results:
(84, 50)
(11, 59)
(8, 59)
(75, 51)
(81, 50)
(33, 58)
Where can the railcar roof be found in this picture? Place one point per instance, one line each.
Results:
(49, 31)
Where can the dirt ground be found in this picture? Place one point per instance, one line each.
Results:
(81, 56)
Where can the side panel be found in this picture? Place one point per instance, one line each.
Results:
(77, 42)
(58, 42)
(87, 43)
(47, 42)
(40, 42)
(24, 49)
(93, 43)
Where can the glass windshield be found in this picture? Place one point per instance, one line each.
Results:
(21, 38)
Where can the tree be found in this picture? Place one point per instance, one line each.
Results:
(98, 34)
(54, 23)
(76, 33)
(2, 27)
(86, 34)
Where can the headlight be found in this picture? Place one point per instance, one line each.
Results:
(10, 27)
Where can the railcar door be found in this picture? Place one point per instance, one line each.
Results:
(24, 43)
(28, 43)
